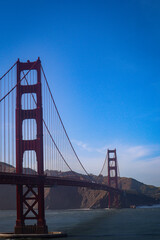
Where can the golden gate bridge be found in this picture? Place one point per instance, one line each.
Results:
(35, 149)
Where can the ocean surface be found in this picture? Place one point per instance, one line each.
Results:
(107, 224)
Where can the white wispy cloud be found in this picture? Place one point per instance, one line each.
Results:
(88, 148)
(83, 146)
(138, 152)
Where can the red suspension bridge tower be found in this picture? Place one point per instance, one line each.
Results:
(30, 196)
(112, 176)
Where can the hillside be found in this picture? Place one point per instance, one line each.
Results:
(60, 197)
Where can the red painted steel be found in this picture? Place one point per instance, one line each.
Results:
(112, 176)
(26, 145)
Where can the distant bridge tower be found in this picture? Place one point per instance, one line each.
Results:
(112, 176)
(31, 196)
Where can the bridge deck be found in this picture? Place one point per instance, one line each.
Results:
(49, 181)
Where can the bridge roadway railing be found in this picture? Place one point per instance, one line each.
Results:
(48, 181)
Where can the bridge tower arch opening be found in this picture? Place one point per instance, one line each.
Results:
(27, 195)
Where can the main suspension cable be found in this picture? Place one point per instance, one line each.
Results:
(8, 70)
(105, 161)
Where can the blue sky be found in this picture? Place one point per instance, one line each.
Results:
(102, 62)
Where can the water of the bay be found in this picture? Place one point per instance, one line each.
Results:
(106, 224)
